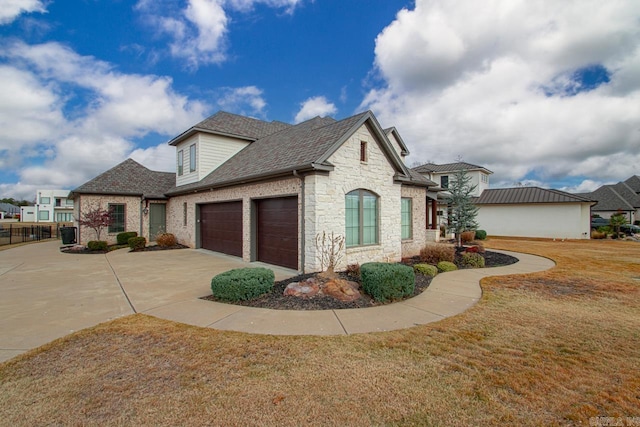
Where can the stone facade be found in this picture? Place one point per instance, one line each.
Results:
(186, 232)
(420, 235)
(133, 215)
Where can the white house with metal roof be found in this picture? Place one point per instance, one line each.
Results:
(534, 212)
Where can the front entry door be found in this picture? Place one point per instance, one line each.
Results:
(157, 220)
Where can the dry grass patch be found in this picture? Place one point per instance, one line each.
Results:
(525, 355)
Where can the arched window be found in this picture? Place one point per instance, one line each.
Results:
(361, 208)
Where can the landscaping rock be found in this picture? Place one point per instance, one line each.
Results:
(341, 290)
(306, 289)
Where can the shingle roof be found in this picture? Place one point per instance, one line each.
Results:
(448, 167)
(504, 196)
(305, 146)
(229, 124)
(634, 183)
(130, 178)
(609, 198)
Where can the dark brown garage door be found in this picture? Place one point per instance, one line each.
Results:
(277, 231)
(221, 227)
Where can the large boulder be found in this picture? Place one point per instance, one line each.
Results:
(306, 289)
(341, 289)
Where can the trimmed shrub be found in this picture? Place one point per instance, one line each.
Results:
(434, 253)
(426, 269)
(383, 281)
(598, 235)
(137, 243)
(467, 236)
(481, 234)
(242, 284)
(444, 266)
(97, 245)
(474, 260)
(166, 240)
(123, 238)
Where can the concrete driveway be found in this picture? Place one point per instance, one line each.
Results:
(47, 294)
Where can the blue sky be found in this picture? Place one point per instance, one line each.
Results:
(540, 93)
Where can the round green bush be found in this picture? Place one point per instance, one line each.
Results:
(472, 259)
(242, 284)
(137, 243)
(444, 266)
(97, 245)
(383, 281)
(123, 238)
(426, 269)
(481, 234)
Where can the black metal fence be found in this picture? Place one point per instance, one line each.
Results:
(18, 233)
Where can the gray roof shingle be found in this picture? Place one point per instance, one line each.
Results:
(634, 183)
(9, 208)
(614, 197)
(304, 146)
(229, 124)
(130, 178)
(519, 195)
(448, 167)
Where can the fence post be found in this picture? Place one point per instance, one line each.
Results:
(10, 232)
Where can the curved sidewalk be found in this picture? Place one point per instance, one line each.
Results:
(47, 294)
(449, 294)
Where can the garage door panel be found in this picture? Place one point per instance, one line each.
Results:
(221, 227)
(277, 231)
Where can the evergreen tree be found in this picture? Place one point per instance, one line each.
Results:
(463, 211)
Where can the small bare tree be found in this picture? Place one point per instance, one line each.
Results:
(96, 219)
(329, 250)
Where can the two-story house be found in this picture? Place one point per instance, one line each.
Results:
(51, 206)
(443, 175)
(266, 191)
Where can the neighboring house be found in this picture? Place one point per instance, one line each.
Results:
(443, 174)
(265, 191)
(534, 212)
(51, 206)
(621, 197)
(7, 210)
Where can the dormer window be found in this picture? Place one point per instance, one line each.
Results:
(363, 151)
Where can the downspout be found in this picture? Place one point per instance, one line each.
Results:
(302, 214)
(141, 214)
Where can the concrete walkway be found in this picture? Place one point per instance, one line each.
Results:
(47, 294)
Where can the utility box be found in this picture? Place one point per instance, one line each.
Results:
(68, 235)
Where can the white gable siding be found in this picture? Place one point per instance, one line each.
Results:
(548, 220)
(325, 202)
(211, 152)
(396, 145)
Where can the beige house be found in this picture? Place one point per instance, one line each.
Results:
(265, 191)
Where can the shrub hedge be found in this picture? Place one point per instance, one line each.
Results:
(384, 281)
(434, 253)
(471, 259)
(426, 269)
(166, 240)
(481, 234)
(137, 243)
(97, 245)
(242, 284)
(123, 238)
(446, 266)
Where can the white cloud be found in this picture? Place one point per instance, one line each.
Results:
(489, 82)
(315, 106)
(158, 158)
(98, 130)
(199, 31)
(11, 9)
(247, 100)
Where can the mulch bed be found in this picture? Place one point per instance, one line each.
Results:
(78, 249)
(277, 301)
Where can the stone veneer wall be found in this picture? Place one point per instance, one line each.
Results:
(87, 202)
(186, 234)
(412, 247)
(325, 202)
